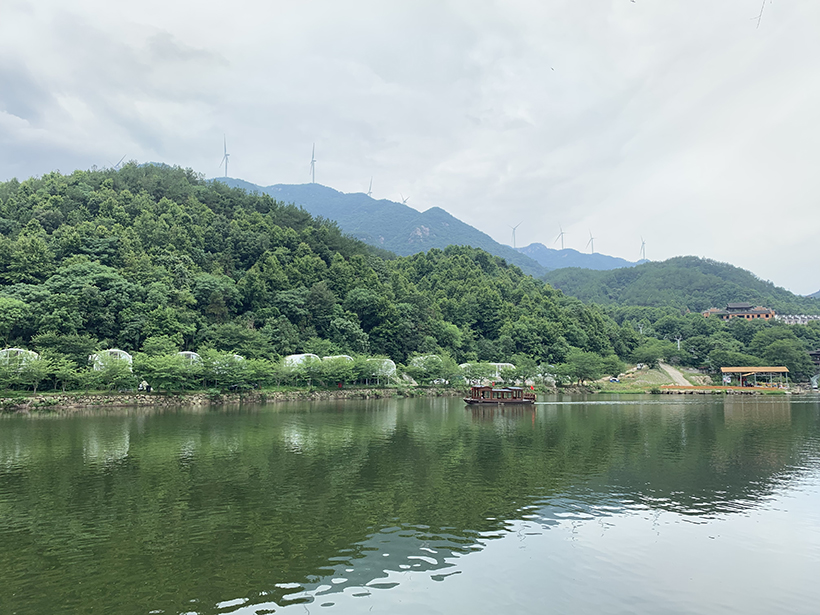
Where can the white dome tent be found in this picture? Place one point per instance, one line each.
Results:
(98, 360)
(423, 360)
(190, 357)
(18, 354)
(382, 369)
(492, 371)
(297, 360)
(338, 357)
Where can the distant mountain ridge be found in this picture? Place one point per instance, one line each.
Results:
(403, 230)
(385, 224)
(815, 295)
(551, 259)
(685, 282)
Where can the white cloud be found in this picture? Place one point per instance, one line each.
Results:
(679, 122)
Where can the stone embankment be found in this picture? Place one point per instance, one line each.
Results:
(118, 400)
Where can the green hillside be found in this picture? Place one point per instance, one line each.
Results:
(392, 226)
(155, 258)
(686, 282)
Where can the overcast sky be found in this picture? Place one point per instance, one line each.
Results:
(680, 122)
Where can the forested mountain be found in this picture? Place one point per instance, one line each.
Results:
(815, 295)
(156, 258)
(558, 259)
(685, 282)
(389, 225)
(153, 259)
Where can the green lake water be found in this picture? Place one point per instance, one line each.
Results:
(628, 505)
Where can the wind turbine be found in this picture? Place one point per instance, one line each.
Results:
(226, 155)
(643, 249)
(513, 231)
(404, 199)
(560, 236)
(370, 189)
(760, 16)
(117, 166)
(591, 243)
(313, 165)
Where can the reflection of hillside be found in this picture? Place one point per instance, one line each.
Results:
(154, 509)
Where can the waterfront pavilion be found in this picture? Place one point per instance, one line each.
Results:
(748, 376)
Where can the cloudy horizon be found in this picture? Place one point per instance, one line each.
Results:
(687, 124)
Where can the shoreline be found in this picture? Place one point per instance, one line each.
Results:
(76, 400)
(67, 402)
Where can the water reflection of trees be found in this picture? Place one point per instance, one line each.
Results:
(152, 510)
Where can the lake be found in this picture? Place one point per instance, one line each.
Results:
(649, 504)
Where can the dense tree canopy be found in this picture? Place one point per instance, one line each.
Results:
(683, 282)
(152, 257)
(153, 260)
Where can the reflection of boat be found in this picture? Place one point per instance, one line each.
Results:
(499, 395)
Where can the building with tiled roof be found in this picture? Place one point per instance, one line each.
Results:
(740, 310)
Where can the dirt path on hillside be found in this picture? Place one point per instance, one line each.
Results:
(675, 374)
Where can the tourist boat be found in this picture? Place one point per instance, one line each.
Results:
(499, 395)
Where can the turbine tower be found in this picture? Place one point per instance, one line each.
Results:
(513, 232)
(591, 243)
(226, 156)
(313, 165)
(560, 236)
(643, 249)
(370, 189)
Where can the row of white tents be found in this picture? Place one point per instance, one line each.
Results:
(381, 367)
(384, 368)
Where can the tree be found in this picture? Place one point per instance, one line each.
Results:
(762, 340)
(64, 371)
(790, 353)
(161, 344)
(224, 370)
(581, 365)
(31, 259)
(167, 372)
(476, 373)
(526, 368)
(652, 351)
(13, 313)
(113, 373)
(424, 368)
(726, 358)
(75, 346)
(34, 371)
(612, 365)
(337, 370)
